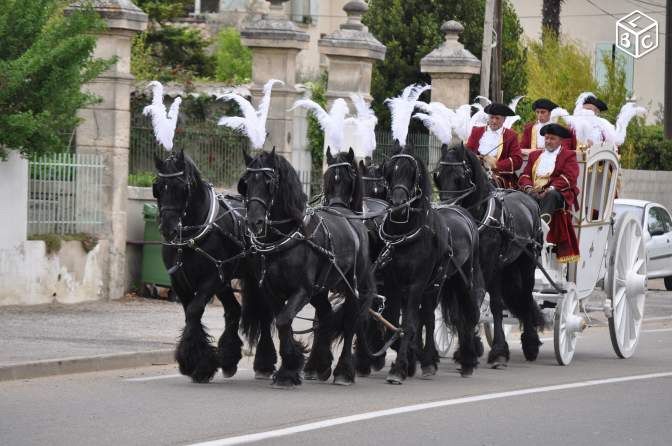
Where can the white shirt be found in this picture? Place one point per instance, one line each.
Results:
(547, 160)
(540, 138)
(489, 143)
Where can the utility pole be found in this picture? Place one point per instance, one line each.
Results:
(486, 52)
(498, 24)
(667, 110)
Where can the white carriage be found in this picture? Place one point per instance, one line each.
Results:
(612, 253)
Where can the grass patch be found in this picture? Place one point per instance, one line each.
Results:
(53, 242)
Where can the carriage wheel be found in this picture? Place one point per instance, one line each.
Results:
(626, 285)
(443, 335)
(489, 330)
(567, 325)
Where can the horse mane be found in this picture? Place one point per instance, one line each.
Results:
(290, 200)
(357, 199)
(480, 178)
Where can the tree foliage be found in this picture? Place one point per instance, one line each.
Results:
(411, 29)
(234, 60)
(46, 56)
(167, 52)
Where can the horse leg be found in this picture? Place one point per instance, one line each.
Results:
(318, 365)
(291, 351)
(194, 354)
(229, 345)
(344, 373)
(429, 357)
(409, 323)
(499, 352)
(265, 356)
(532, 318)
(461, 300)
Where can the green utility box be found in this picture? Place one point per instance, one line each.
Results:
(153, 270)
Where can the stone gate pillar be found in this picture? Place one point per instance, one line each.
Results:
(275, 42)
(105, 128)
(351, 51)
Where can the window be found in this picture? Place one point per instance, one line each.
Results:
(659, 221)
(609, 50)
(211, 6)
(305, 11)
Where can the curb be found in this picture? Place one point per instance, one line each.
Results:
(40, 369)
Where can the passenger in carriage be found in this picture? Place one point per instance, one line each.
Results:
(532, 139)
(596, 135)
(497, 146)
(550, 177)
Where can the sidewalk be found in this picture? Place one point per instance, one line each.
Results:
(53, 339)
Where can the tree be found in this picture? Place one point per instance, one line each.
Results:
(411, 29)
(45, 57)
(550, 18)
(167, 52)
(234, 60)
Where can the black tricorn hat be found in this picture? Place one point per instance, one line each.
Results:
(601, 105)
(496, 108)
(555, 129)
(544, 103)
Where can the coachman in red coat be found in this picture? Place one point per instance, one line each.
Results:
(497, 146)
(531, 138)
(550, 177)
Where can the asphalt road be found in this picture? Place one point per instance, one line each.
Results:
(597, 400)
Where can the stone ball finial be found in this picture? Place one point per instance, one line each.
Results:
(354, 9)
(452, 27)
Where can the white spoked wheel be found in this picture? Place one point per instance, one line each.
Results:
(626, 285)
(489, 330)
(443, 335)
(568, 323)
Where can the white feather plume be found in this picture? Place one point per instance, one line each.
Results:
(582, 123)
(514, 102)
(402, 108)
(462, 122)
(557, 113)
(253, 122)
(581, 100)
(332, 123)
(440, 127)
(365, 123)
(482, 100)
(480, 118)
(628, 111)
(164, 121)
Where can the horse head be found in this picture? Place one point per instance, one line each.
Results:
(272, 192)
(342, 181)
(408, 183)
(177, 191)
(373, 183)
(459, 176)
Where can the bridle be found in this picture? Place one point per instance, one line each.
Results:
(181, 210)
(456, 196)
(351, 174)
(274, 181)
(413, 196)
(377, 182)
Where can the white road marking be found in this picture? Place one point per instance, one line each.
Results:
(157, 377)
(249, 438)
(657, 330)
(659, 318)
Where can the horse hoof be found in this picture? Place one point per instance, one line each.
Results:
(263, 375)
(342, 381)
(467, 372)
(364, 373)
(228, 373)
(428, 371)
(310, 375)
(325, 374)
(394, 379)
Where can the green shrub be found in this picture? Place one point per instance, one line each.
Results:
(646, 147)
(141, 179)
(53, 242)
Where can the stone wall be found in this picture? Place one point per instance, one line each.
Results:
(13, 200)
(648, 185)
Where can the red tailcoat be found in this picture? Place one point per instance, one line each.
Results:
(509, 156)
(526, 139)
(563, 179)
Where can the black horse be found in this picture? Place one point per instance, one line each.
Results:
(509, 228)
(372, 179)
(431, 254)
(302, 255)
(203, 251)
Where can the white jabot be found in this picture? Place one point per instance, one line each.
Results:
(488, 145)
(547, 160)
(540, 138)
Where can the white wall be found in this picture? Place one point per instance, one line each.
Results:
(648, 185)
(13, 200)
(589, 25)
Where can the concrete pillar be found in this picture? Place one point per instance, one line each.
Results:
(13, 201)
(451, 66)
(105, 128)
(275, 42)
(351, 51)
